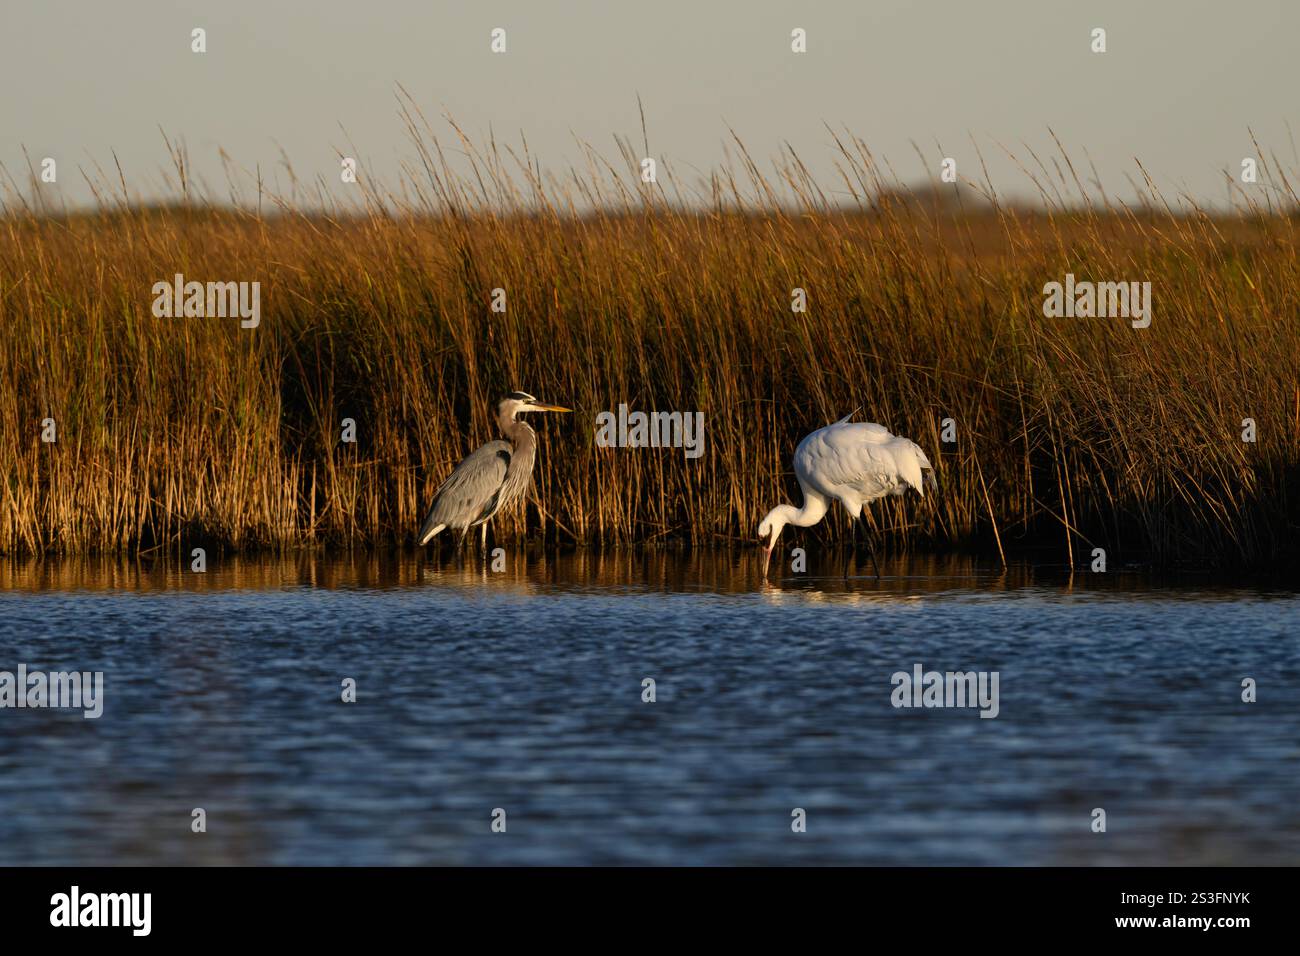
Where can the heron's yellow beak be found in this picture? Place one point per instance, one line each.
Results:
(550, 408)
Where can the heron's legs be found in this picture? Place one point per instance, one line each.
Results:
(870, 550)
(485, 553)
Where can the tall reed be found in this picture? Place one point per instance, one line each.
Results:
(922, 306)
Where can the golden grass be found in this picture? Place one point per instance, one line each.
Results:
(1074, 432)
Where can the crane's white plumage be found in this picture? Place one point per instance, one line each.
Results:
(852, 463)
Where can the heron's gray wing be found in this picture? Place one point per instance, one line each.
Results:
(470, 492)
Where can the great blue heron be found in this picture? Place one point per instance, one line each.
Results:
(854, 463)
(492, 477)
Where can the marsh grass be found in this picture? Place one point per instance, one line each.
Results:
(923, 305)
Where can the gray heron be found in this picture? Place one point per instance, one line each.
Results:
(852, 463)
(490, 478)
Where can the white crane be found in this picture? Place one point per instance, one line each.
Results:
(853, 463)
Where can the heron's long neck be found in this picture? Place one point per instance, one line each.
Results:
(813, 510)
(519, 432)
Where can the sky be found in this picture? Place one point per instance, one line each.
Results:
(1180, 86)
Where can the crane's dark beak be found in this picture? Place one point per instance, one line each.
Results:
(767, 558)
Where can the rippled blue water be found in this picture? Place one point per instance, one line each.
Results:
(522, 690)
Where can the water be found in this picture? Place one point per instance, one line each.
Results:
(522, 690)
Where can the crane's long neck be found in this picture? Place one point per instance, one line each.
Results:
(813, 510)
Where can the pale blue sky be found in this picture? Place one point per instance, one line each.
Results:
(1181, 83)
